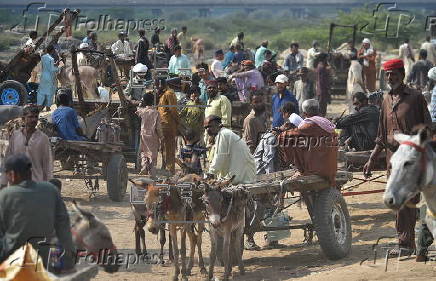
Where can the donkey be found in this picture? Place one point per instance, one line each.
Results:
(413, 171)
(140, 213)
(226, 213)
(91, 234)
(169, 205)
(88, 78)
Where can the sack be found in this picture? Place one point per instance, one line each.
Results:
(24, 265)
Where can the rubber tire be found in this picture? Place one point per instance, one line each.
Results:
(17, 86)
(116, 177)
(323, 207)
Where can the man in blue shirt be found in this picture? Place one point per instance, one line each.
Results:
(178, 61)
(280, 98)
(228, 57)
(65, 119)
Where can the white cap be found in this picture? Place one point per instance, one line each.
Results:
(432, 73)
(295, 119)
(281, 79)
(83, 45)
(366, 41)
(140, 68)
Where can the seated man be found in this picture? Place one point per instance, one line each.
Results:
(32, 212)
(360, 128)
(312, 147)
(65, 119)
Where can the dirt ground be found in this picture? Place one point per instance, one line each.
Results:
(296, 261)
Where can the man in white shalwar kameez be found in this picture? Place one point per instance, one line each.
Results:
(405, 53)
(231, 155)
(354, 81)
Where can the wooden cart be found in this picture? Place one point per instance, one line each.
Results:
(327, 208)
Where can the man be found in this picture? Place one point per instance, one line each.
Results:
(360, 128)
(205, 76)
(247, 80)
(418, 74)
(228, 57)
(217, 67)
(171, 43)
(93, 42)
(66, 121)
(304, 88)
(178, 61)
(401, 110)
(82, 58)
(405, 52)
(239, 54)
(368, 55)
(322, 83)
(32, 212)
(259, 57)
(169, 122)
(47, 82)
(87, 38)
(432, 105)
(317, 155)
(183, 38)
(227, 90)
(141, 55)
(155, 37)
(122, 51)
(354, 81)
(430, 48)
(255, 122)
(282, 96)
(269, 68)
(34, 143)
(311, 54)
(238, 40)
(218, 105)
(32, 39)
(294, 60)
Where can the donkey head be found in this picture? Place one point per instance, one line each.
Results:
(410, 169)
(213, 200)
(91, 234)
(152, 199)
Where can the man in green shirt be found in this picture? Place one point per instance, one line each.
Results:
(32, 212)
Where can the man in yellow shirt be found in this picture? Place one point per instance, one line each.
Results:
(169, 119)
(218, 104)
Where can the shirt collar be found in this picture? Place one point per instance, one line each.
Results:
(404, 90)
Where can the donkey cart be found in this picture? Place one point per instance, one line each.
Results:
(326, 206)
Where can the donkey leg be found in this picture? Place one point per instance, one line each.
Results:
(226, 254)
(162, 240)
(200, 252)
(239, 249)
(142, 235)
(193, 243)
(173, 237)
(212, 255)
(137, 239)
(183, 252)
(170, 248)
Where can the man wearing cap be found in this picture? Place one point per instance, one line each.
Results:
(32, 212)
(82, 59)
(218, 105)
(248, 80)
(178, 61)
(34, 143)
(217, 67)
(401, 110)
(283, 95)
(368, 54)
(169, 121)
(259, 57)
(136, 89)
(311, 54)
(294, 60)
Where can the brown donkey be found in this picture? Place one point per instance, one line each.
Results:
(168, 204)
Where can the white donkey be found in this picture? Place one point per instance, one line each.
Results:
(413, 171)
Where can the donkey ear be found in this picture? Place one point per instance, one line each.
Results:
(402, 137)
(424, 135)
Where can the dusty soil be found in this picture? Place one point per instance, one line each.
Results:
(296, 261)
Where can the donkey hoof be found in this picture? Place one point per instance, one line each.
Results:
(175, 278)
(203, 272)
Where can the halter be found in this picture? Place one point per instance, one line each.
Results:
(423, 167)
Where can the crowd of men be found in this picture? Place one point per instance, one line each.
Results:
(298, 108)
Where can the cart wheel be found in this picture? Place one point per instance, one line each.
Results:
(332, 223)
(12, 93)
(116, 177)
